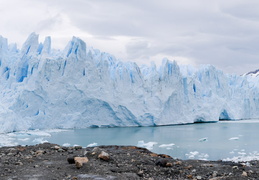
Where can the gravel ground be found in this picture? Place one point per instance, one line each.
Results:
(51, 161)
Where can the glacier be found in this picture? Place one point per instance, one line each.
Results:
(43, 88)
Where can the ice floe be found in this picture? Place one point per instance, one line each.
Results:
(148, 145)
(92, 144)
(197, 155)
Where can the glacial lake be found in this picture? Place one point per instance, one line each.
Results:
(225, 140)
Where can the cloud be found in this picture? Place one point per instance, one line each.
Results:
(222, 33)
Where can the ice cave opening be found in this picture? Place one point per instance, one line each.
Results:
(224, 115)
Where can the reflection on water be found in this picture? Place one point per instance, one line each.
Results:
(210, 141)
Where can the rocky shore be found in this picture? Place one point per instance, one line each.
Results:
(53, 162)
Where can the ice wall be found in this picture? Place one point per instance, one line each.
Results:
(83, 87)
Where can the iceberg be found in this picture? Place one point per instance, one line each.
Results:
(79, 87)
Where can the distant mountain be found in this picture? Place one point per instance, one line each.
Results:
(253, 73)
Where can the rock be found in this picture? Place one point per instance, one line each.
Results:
(189, 176)
(80, 161)
(163, 163)
(178, 163)
(56, 147)
(71, 160)
(198, 177)
(244, 173)
(78, 147)
(61, 150)
(104, 156)
(154, 155)
(235, 167)
(164, 156)
(169, 164)
(188, 167)
(28, 157)
(96, 149)
(140, 173)
(85, 153)
(64, 148)
(214, 174)
(19, 163)
(11, 150)
(39, 152)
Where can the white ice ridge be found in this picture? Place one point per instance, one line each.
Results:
(82, 87)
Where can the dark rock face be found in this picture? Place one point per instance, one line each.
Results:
(50, 161)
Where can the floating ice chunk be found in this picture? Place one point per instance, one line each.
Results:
(192, 154)
(244, 157)
(242, 153)
(167, 146)
(203, 139)
(66, 144)
(233, 138)
(24, 139)
(197, 155)
(92, 145)
(39, 140)
(148, 145)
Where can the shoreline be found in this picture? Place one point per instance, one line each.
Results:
(51, 161)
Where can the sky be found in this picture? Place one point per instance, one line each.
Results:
(218, 32)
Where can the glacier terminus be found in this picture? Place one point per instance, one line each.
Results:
(80, 87)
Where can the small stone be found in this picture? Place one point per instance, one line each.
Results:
(55, 147)
(198, 177)
(96, 149)
(214, 174)
(188, 167)
(80, 161)
(154, 155)
(104, 156)
(39, 152)
(189, 176)
(19, 163)
(162, 162)
(78, 147)
(244, 173)
(70, 151)
(61, 150)
(71, 160)
(178, 163)
(140, 173)
(11, 149)
(64, 148)
(164, 156)
(36, 166)
(85, 153)
(169, 164)
(28, 157)
(235, 167)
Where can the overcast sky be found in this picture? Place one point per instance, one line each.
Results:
(224, 33)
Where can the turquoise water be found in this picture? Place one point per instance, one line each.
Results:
(211, 141)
